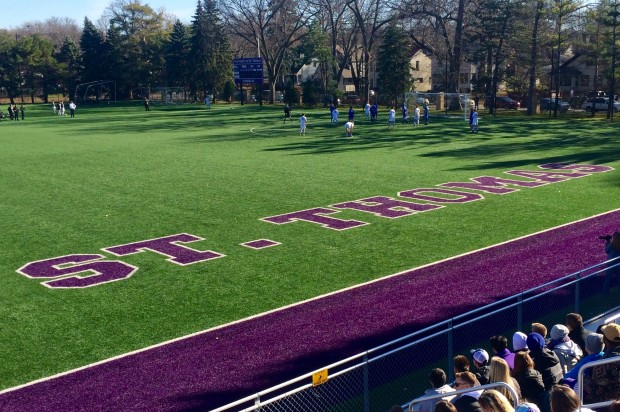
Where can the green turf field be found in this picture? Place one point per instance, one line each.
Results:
(116, 174)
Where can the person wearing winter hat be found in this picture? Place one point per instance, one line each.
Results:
(594, 348)
(567, 351)
(519, 342)
(545, 360)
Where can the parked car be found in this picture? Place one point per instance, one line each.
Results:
(352, 99)
(503, 102)
(599, 104)
(550, 103)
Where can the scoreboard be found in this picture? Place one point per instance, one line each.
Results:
(248, 70)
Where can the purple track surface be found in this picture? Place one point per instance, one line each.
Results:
(223, 365)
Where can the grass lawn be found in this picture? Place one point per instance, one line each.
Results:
(116, 174)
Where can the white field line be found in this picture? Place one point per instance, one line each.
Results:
(168, 342)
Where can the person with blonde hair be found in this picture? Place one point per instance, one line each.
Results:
(499, 371)
(492, 400)
(564, 399)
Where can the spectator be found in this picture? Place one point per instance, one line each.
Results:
(481, 359)
(615, 406)
(500, 349)
(541, 330)
(576, 332)
(494, 401)
(545, 361)
(594, 350)
(468, 401)
(564, 399)
(445, 406)
(612, 249)
(604, 384)
(519, 342)
(527, 407)
(567, 351)
(438, 380)
(529, 379)
(499, 371)
(461, 364)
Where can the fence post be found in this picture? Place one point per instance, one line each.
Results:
(450, 352)
(577, 291)
(520, 311)
(366, 386)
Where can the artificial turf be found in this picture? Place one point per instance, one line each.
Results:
(116, 174)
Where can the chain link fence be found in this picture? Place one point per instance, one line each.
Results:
(397, 372)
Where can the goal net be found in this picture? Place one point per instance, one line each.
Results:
(167, 95)
(451, 105)
(96, 92)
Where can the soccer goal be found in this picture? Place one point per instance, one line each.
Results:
(451, 105)
(167, 95)
(97, 91)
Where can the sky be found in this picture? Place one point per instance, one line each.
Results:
(41, 10)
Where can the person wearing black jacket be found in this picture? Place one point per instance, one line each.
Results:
(530, 380)
(577, 333)
(545, 360)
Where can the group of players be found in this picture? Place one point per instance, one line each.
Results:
(371, 112)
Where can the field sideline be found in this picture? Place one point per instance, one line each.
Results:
(117, 175)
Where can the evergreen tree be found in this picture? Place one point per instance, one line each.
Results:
(210, 55)
(92, 46)
(393, 65)
(69, 57)
(176, 52)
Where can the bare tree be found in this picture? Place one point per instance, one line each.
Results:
(273, 27)
(371, 17)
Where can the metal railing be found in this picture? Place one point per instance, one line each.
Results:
(581, 382)
(397, 372)
(515, 396)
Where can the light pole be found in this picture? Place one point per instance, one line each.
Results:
(612, 87)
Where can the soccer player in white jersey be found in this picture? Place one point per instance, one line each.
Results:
(303, 122)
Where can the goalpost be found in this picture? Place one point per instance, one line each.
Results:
(451, 105)
(167, 95)
(100, 90)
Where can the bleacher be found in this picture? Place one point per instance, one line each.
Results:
(397, 372)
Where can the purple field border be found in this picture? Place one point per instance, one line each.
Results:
(214, 367)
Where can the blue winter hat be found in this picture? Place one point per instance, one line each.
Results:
(535, 341)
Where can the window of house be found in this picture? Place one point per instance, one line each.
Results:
(416, 65)
(420, 80)
(464, 78)
(566, 81)
(584, 80)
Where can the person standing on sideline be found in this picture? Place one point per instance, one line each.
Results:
(348, 128)
(367, 111)
(72, 107)
(61, 108)
(391, 118)
(612, 249)
(334, 116)
(15, 112)
(405, 113)
(426, 114)
(54, 108)
(22, 109)
(351, 113)
(146, 104)
(303, 122)
(208, 102)
(10, 110)
(473, 121)
(287, 113)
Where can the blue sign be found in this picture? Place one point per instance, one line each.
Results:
(248, 70)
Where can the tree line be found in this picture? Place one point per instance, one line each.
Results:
(511, 42)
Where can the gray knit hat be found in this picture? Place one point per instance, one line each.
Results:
(594, 343)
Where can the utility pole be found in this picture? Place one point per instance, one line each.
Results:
(612, 86)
